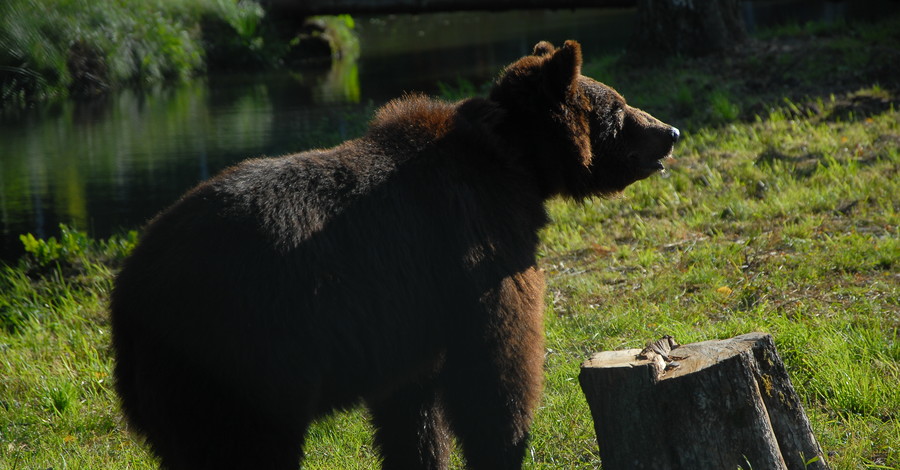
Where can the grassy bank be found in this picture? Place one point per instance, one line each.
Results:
(51, 49)
(781, 214)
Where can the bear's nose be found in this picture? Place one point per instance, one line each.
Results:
(675, 133)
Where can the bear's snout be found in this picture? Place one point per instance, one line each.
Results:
(656, 140)
(651, 141)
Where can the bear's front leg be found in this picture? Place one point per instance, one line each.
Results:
(410, 431)
(493, 374)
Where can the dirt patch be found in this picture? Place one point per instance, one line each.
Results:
(856, 106)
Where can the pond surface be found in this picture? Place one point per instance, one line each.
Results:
(110, 165)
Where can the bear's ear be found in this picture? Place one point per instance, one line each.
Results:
(543, 48)
(564, 66)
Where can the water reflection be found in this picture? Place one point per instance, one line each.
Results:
(105, 166)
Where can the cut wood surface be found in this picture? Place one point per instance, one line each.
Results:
(715, 404)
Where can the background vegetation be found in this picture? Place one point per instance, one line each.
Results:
(781, 214)
(81, 48)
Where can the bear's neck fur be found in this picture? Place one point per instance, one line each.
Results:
(488, 131)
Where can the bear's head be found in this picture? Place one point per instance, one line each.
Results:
(579, 134)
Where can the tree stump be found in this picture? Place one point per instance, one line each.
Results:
(716, 404)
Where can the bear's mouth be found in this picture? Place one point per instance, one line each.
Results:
(649, 166)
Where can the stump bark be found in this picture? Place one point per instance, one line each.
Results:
(715, 404)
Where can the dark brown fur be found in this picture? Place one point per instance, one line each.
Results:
(396, 270)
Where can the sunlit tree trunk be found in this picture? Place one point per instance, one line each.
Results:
(686, 27)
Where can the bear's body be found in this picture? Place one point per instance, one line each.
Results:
(397, 270)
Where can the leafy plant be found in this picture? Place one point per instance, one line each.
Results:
(74, 246)
(723, 108)
(456, 91)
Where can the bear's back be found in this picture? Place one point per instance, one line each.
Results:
(313, 251)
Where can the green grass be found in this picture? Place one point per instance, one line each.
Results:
(782, 216)
(57, 404)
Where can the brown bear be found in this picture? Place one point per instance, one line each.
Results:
(397, 270)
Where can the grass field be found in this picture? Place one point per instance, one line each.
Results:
(780, 214)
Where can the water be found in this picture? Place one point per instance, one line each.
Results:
(110, 165)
